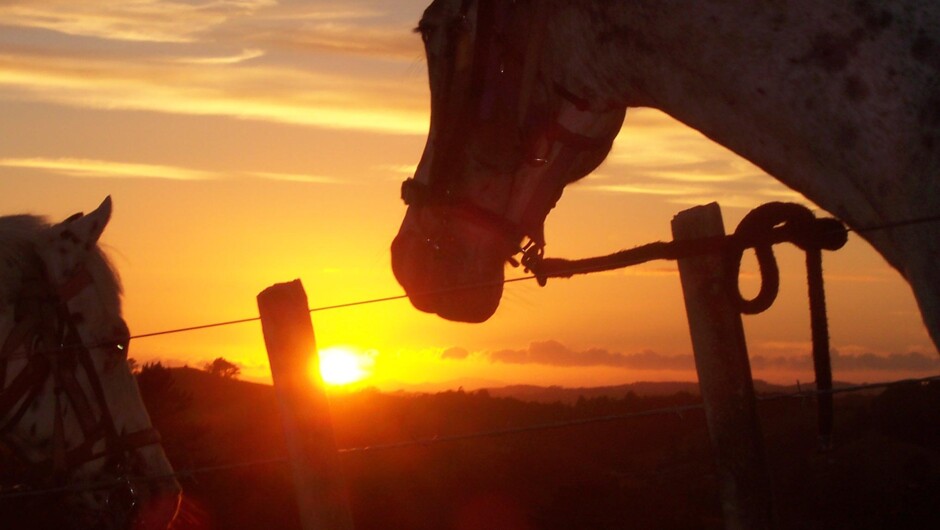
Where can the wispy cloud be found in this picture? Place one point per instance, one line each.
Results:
(263, 93)
(83, 168)
(650, 188)
(655, 155)
(244, 55)
(298, 177)
(553, 353)
(249, 59)
(133, 20)
(396, 173)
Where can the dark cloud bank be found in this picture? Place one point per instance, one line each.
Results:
(553, 353)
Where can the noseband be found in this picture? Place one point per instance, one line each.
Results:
(418, 194)
(46, 334)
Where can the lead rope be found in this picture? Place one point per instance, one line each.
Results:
(763, 227)
(822, 364)
(761, 221)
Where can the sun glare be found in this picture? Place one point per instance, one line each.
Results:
(343, 366)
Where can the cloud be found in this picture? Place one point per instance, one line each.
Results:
(862, 362)
(84, 168)
(340, 101)
(141, 20)
(244, 55)
(913, 361)
(554, 353)
(658, 156)
(295, 177)
(347, 37)
(324, 64)
(455, 353)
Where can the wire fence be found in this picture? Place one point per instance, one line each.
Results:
(437, 440)
(391, 298)
(18, 492)
(573, 270)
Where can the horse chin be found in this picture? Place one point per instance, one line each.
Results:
(462, 285)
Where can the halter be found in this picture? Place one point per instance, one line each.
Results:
(47, 335)
(481, 87)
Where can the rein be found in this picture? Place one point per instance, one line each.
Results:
(47, 336)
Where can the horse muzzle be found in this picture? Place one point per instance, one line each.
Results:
(457, 274)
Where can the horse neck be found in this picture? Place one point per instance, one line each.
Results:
(826, 96)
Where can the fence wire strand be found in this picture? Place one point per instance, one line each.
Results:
(436, 440)
(860, 230)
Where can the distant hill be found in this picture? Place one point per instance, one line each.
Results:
(203, 386)
(558, 394)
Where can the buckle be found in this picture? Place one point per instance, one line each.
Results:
(414, 193)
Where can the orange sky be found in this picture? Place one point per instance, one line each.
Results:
(253, 142)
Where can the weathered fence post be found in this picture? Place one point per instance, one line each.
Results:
(724, 374)
(305, 414)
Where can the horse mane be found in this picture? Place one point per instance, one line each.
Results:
(20, 238)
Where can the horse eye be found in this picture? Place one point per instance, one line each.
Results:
(120, 349)
(425, 32)
(121, 342)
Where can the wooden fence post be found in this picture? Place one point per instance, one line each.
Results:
(724, 373)
(305, 414)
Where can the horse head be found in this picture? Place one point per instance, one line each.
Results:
(82, 422)
(504, 141)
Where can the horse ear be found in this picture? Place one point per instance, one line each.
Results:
(87, 229)
(69, 242)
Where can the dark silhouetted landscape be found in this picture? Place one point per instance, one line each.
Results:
(652, 472)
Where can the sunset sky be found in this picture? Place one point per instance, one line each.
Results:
(250, 142)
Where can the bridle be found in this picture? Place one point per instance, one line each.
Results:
(495, 80)
(46, 334)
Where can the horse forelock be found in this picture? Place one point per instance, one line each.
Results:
(22, 237)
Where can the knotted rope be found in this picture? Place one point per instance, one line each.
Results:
(761, 228)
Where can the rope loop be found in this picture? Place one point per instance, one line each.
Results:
(755, 227)
(755, 230)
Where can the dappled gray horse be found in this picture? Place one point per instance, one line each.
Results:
(838, 100)
(71, 417)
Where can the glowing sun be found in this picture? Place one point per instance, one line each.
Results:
(343, 366)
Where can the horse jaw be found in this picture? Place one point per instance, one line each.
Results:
(458, 274)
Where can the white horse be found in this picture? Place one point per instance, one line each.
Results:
(840, 100)
(71, 417)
